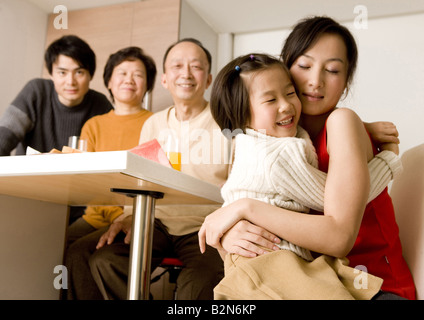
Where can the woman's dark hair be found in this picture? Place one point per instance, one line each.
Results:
(192, 40)
(307, 32)
(130, 54)
(230, 103)
(73, 47)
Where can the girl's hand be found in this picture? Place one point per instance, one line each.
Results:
(394, 147)
(382, 132)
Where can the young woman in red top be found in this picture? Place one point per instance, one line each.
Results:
(321, 55)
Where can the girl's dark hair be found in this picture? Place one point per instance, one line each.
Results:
(230, 103)
(307, 32)
(130, 54)
(73, 47)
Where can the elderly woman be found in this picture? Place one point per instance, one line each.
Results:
(128, 75)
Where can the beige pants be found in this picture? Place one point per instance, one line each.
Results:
(284, 275)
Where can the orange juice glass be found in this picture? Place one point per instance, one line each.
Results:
(173, 152)
(175, 159)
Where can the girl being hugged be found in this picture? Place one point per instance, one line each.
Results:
(275, 162)
(322, 55)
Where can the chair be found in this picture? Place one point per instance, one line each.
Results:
(407, 193)
(173, 266)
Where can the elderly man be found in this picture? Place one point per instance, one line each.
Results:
(187, 66)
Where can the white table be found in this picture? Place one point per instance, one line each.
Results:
(55, 181)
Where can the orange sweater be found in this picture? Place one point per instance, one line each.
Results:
(111, 132)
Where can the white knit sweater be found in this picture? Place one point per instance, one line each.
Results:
(283, 172)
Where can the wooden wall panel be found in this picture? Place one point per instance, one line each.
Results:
(155, 27)
(151, 24)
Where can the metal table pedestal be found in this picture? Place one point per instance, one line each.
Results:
(141, 241)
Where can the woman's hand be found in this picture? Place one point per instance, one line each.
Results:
(226, 229)
(219, 222)
(248, 240)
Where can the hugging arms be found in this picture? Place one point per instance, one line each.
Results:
(246, 227)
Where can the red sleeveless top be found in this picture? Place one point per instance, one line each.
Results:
(377, 246)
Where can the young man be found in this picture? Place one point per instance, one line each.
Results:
(47, 112)
(187, 66)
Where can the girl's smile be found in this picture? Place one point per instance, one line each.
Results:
(275, 107)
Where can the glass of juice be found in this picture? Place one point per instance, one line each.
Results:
(173, 152)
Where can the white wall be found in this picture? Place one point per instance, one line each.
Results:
(22, 43)
(389, 84)
(390, 79)
(32, 241)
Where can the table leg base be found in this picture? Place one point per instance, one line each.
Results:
(141, 241)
